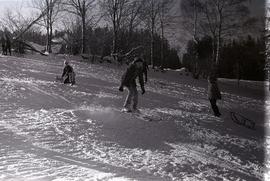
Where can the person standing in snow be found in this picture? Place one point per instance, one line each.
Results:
(68, 74)
(134, 71)
(213, 91)
(145, 70)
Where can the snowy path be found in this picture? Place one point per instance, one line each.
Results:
(51, 131)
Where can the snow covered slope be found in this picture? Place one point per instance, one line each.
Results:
(51, 131)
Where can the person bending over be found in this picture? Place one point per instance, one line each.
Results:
(134, 71)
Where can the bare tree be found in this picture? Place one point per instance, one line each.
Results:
(190, 12)
(218, 18)
(267, 43)
(164, 20)
(52, 9)
(222, 17)
(135, 10)
(69, 25)
(15, 24)
(150, 17)
(115, 11)
(13, 21)
(82, 8)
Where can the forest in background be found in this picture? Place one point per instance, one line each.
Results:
(220, 32)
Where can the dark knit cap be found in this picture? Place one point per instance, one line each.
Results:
(137, 59)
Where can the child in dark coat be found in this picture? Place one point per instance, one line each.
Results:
(68, 74)
(213, 92)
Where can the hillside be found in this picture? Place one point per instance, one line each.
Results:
(51, 131)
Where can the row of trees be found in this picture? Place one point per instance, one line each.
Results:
(219, 19)
(213, 26)
(122, 24)
(100, 39)
(240, 58)
(104, 27)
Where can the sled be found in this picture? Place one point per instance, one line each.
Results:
(241, 120)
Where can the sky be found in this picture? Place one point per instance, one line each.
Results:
(257, 6)
(24, 5)
(174, 34)
(14, 5)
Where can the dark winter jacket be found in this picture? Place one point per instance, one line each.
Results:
(145, 69)
(129, 77)
(213, 90)
(3, 42)
(68, 70)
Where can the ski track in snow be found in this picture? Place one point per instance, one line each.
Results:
(77, 130)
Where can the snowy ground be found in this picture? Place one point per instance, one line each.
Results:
(51, 131)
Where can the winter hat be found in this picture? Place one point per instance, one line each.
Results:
(66, 62)
(137, 59)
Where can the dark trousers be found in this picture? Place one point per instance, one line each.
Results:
(70, 78)
(214, 107)
(66, 81)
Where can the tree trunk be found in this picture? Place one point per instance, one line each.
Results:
(217, 51)
(50, 39)
(47, 25)
(152, 34)
(83, 43)
(130, 35)
(51, 27)
(114, 19)
(195, 14)
(162, 45)
(219, 35)
(152, 48)
(30, 25)
(268, 72)
(115, 34)
(213, 59)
